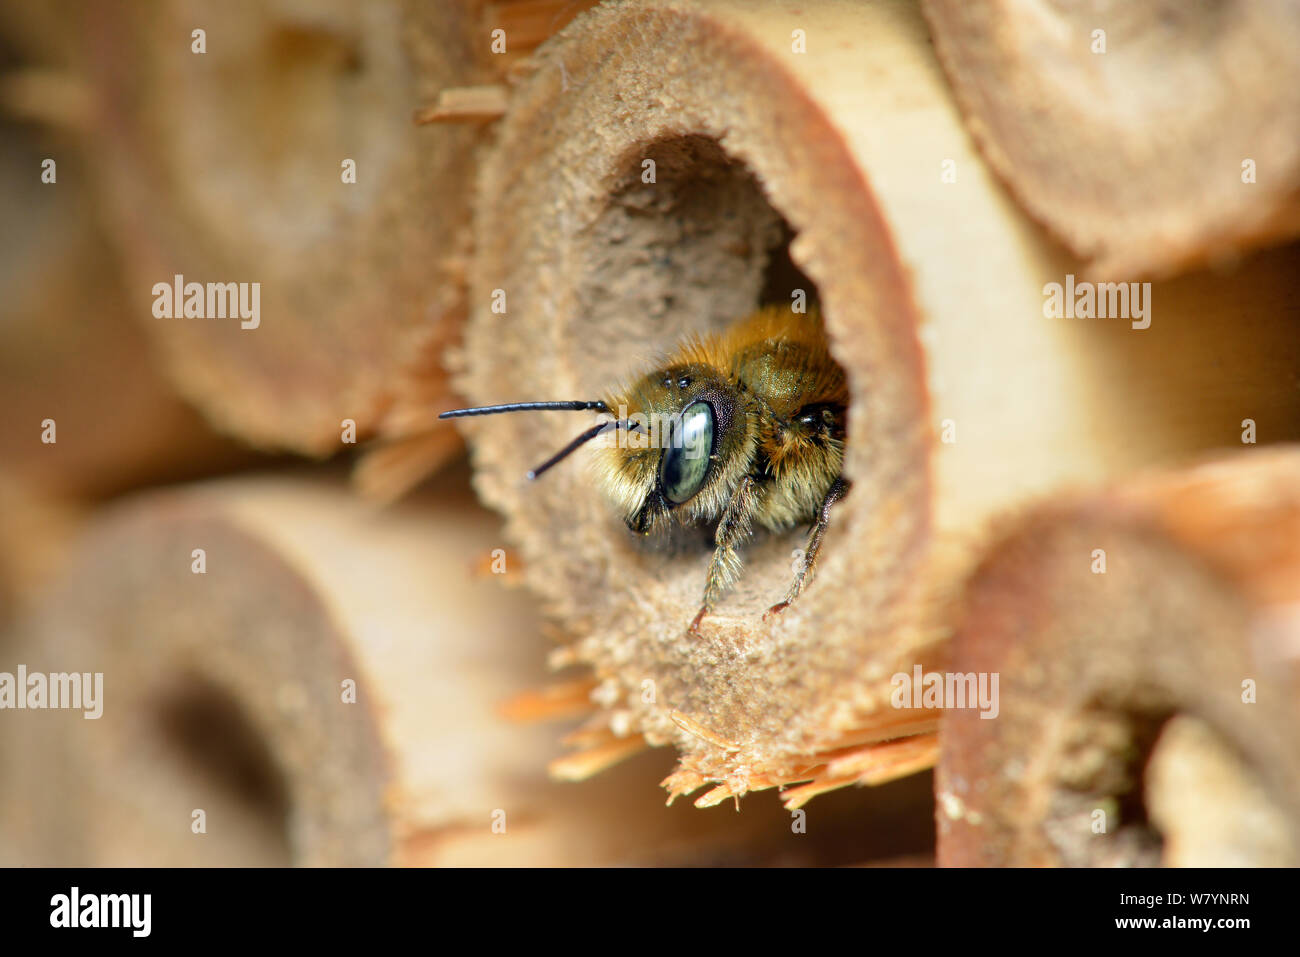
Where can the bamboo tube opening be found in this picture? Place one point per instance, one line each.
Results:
(221, 695)
(1147, 702)
(688, 252)
(1166, 785)
(209, 732)
(1100, 761)
(282, 156)
(933, 294)
(628, 267)
(1129, 128)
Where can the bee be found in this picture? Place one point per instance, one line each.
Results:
(744, 428)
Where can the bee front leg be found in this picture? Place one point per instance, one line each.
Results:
(733, 529)
(836, 492)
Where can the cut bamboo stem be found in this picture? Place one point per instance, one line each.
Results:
(228, 692)
(637, 197)
(1148, 643)
(1150, 136)
(305, 177)
(360, 651)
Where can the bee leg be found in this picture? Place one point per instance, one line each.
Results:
(733, 529)
(836, 492)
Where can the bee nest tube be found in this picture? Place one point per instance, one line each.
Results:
(224, 691)
(1146, 638)
(964, 397)
(308, 681)
(1146, 136)
(232, 166)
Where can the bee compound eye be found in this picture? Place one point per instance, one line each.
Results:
(685, 459)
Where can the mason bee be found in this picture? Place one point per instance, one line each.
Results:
(742, 428)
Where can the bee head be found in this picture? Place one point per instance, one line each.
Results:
(678, 458)
(676, 448)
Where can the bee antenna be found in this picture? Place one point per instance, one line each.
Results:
(576, 405)
(582, 439)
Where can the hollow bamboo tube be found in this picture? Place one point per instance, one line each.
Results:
(231, 165)
(301, 590)
(1150, 136)
(1146, 638)
(223, 692)
(933, 294)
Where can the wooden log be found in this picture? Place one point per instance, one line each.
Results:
(1147, 639)
(1149, 137)
(230, 165)
(965, 398)
(226, 692)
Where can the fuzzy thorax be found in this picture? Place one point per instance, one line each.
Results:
(777, 401)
